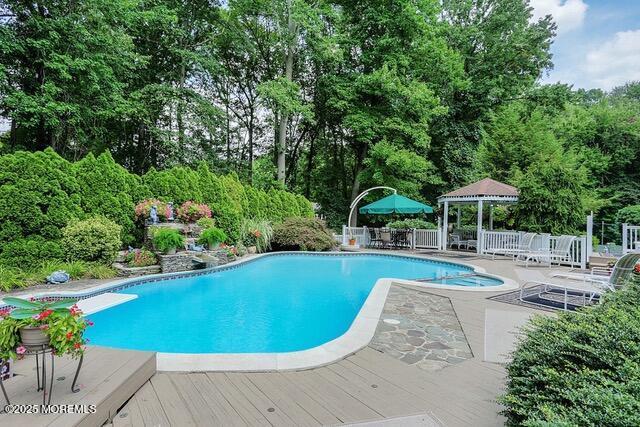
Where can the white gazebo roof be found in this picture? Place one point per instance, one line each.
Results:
(487, 189)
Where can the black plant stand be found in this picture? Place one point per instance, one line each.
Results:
(40, 353)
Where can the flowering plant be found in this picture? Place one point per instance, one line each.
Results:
(140, 258)
(191, 211)
(257, 233)
(62, 321)
(636, 269)
(143, 209)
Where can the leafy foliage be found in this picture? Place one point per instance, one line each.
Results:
(629, 215)
(412, 223)
(303, 234)
(212, 237)
(579, 368)
(140, 258)
(166, 239)
(92, 239)
(258, 233)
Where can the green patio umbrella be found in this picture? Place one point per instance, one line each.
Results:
(395, 203)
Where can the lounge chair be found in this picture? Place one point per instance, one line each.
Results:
(560, 253)
(514, 248)
(587, 288)
(385, 238)
(620, 272)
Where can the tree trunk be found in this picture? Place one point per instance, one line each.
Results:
(251, 147)
(284, 117)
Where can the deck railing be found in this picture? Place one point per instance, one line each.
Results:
(630, 238)
(504, 240)
(418, 238)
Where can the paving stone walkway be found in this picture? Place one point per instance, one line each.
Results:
(420, 329)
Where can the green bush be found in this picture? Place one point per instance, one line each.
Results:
(29, 252)
(579, 369)
(212, 237)
(140, 258)
(412, 223)
(205, 223)
(39, 195)
(93, 239)
(166, 239)
(107, 189)
(629, 215)
(305, 234)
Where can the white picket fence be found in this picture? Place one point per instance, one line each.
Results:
(630, 238)
(419, 238)
(493, 240)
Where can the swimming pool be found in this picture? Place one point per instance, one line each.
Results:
(275, 303)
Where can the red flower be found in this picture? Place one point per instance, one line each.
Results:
(76, 345)
(5, 312)
(257, 233)
(636, 269)
(45, 314)
(69, 335)
(89, 322)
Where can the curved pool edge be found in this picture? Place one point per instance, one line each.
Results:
(358, 336)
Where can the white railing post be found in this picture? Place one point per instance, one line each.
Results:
(365, 235)
(584, 241)
(625, 238)
(589, 235)
(439, 238)
(344, 234)
(413, 239)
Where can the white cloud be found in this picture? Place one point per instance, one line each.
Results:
(568, 14)
(616, 61)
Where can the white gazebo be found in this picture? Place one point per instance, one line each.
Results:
(485, 191)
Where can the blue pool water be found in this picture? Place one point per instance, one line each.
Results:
(273, 304)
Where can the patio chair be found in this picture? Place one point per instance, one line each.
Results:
(400, 238)
(374, 237)
(454, 239)
(385, 238)
(587, 286)
(560, 253)
(515, 248)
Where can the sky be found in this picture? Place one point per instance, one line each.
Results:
(598, 42)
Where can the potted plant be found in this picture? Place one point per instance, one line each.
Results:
(31, 323)
(167, 240)
(212, 237)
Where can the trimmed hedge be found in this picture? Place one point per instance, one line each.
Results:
(302, 234)
(579, 369)
(93, 239)
(41, 193)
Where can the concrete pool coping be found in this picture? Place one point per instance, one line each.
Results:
(357, 336)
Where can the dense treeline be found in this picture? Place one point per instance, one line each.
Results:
(323, 97)
(40, 193)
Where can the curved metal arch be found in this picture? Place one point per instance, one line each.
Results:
(360, 196)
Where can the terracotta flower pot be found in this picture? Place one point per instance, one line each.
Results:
(352, 242)
(33, 336)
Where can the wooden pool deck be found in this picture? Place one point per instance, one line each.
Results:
(108, 379)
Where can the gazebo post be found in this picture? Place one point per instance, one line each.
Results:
(458, 217)
(445, 226)
(479, 232)
(491, 217)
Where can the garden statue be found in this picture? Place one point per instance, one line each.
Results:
(170, 211)
(153, 214)
(58, 277)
